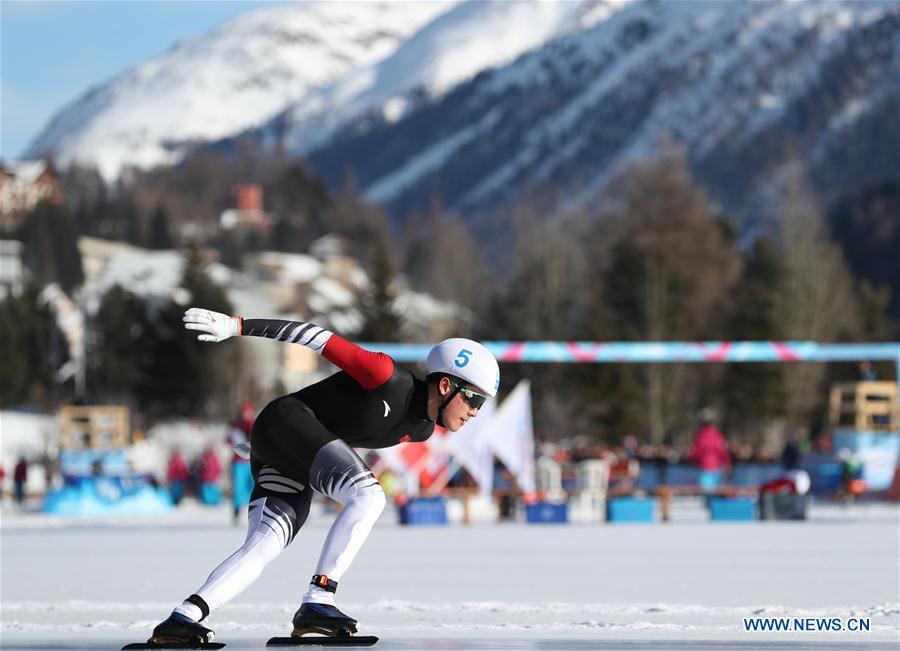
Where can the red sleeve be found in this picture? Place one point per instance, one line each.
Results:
(370, 369)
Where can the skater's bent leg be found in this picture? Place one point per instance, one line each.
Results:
(340, 474)
(350, 530)
(273, 522)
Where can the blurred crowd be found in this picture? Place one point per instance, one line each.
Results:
(203, 476)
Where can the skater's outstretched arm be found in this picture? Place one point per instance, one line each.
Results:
(369, 369)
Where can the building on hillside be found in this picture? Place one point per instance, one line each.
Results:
(12, 272)
(247, 213)
(24, 184)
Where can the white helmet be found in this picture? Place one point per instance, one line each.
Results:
(469, 361)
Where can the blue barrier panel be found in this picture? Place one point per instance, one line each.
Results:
(681, 475)
(82, 462)
(547, 512)
(825, 478)
(754, 474)
(424, 510)
(629, 510)
(92, 496)
(732, 509)
(824, 472)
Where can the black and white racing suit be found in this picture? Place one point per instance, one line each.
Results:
(303, 442)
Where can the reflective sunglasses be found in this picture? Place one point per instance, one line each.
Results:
(472, 398)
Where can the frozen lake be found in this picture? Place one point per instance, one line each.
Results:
(69, 584)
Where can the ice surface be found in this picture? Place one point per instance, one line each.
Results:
(73, 584)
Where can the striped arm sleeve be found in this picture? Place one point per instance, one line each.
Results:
(293, 332)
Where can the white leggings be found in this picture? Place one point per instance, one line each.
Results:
(276, 516)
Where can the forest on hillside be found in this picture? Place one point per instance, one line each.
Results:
(653, 259)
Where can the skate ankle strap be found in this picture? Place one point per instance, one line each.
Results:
(324, 582)
(198, 601)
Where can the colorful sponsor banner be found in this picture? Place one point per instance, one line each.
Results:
(667, 351)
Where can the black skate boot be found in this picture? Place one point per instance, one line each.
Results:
(181, 630)
(323, 619)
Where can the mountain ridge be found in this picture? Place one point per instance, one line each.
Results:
(743, 87)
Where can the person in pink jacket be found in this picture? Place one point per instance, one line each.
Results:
(709, 452)
(210, 472)
(176, 474)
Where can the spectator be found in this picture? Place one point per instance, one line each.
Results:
(852, 483)
(709, 452)
(210, 472)
(241, 477)
(239, 440)
(176, 474)
(866, 372)
(791, 455)
(52, 477)
(20, 477)
(581, 450)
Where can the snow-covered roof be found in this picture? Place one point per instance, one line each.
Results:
(294, 267)
(146, 273)
(26, 171)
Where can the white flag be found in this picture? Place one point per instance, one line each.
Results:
(470, 447)
(511, 435)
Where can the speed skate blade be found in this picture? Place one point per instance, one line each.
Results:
(353, 640)
(192, 645)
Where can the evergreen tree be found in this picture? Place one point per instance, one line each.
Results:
(28, 336)
(180, 375)
(442, 258)
(381, 322)
(301, 202)
(160, 235)
(51, 246)
(874, 323)
(121, 331)
(754, 392)
(867, 226)
(670, 272)
(16, 321)
(230, 253)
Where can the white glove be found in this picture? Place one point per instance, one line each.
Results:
(217, 326)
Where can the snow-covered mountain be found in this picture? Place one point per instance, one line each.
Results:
(453, 48)
(232, 79)
(743, 85)
(480, 102)
(315, 65)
